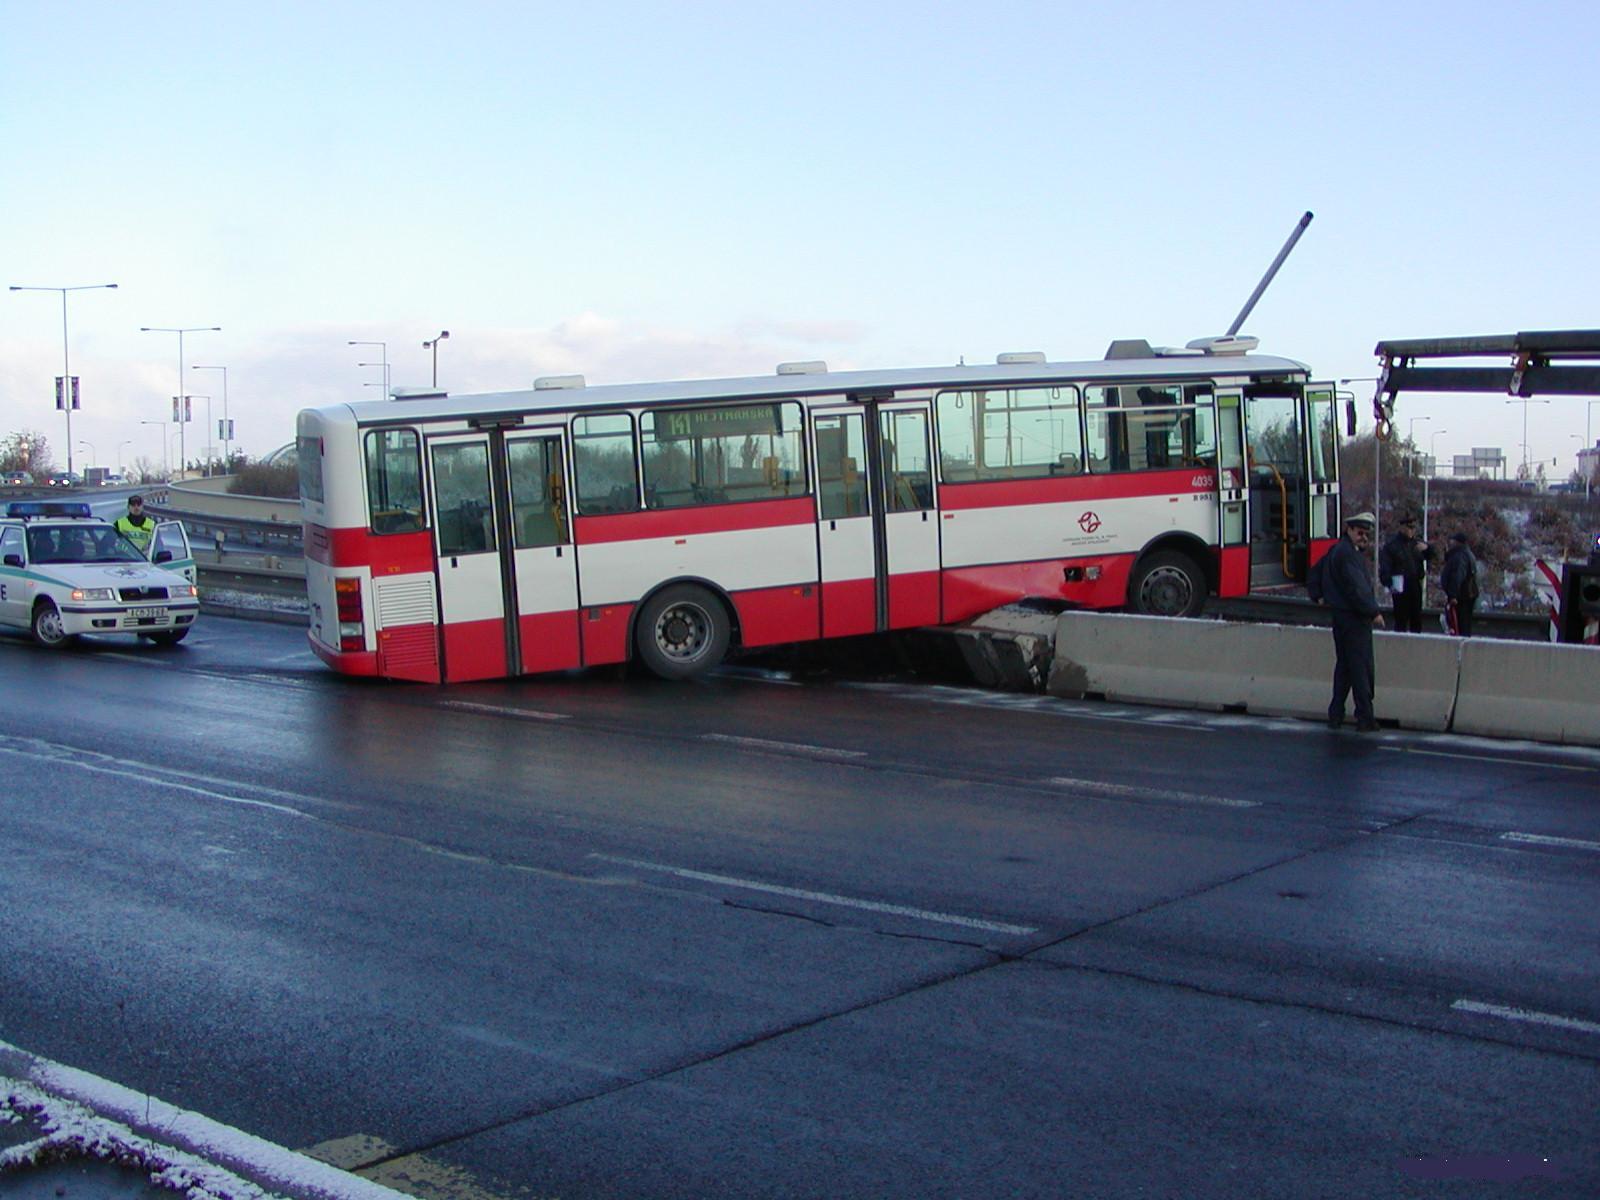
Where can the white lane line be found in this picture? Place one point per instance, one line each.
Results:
(145, 773)
(1540, 839)
(787, 747)
(898, 910)
(1487, 758)
(1128, 791)
(86, 1114)
(494, 710)
(1522, 1014)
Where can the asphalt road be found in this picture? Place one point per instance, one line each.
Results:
(762, 937)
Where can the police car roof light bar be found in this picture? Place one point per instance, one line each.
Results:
(47, 508)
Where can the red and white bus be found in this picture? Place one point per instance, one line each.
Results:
(452, 538)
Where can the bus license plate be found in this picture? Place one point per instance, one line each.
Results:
(146, 613)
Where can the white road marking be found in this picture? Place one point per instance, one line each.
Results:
(494, 710)
(1488, 758)
(146, 773)
(1522, 1014)
(1540, 839)
(787, 747)
(1128, 791)
(898, 910)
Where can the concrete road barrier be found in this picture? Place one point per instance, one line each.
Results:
(1272, 670)
(1547, 693)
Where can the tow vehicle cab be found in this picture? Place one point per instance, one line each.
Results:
(65, 572)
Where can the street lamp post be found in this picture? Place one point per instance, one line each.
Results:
(66, 360)
(227, 430)
(182, 447)
(1525, 401)
(434, 346)
(92, 454)
(1433, 465)
(166, 463)
(383, 362)
(1411, 439)
(120, 445)
(210, 446)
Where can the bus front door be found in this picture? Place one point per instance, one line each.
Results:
(545, 564)
(472, 590)
(846, 545)
(1233, 496)
(910, 529)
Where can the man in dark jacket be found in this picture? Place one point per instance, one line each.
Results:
(1402, 565)
(1459, 579)
(1347, 590)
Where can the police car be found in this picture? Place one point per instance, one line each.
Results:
(65, 572)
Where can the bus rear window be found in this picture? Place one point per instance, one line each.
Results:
(308, 450)
(394, 481)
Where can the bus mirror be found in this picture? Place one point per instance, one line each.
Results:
(1349, 418)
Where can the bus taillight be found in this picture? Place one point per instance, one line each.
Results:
(352, 633)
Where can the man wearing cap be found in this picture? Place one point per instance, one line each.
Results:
(1347, 590)
(135, 526)
(1402, 566)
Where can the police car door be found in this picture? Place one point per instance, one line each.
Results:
(169, 549)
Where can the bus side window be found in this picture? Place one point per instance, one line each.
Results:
(537, 503)
(842, 489)
(394, 481)
(605, 464)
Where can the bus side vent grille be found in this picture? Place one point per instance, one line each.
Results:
(405, 602)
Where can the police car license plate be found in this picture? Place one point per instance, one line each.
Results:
(146, 613)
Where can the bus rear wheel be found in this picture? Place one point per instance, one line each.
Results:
(1167, 584)
(682, 631)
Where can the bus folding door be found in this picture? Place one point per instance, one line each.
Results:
(467, 542)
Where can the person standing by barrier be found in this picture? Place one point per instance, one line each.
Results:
(1459, 579)
(1347, 590)
(136, 526)
(1402, 566)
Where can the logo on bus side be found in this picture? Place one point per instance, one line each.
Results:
(1089, 522)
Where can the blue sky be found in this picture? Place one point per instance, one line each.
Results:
(637, 191)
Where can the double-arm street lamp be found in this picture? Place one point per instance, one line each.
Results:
(383, 361)
(1525, 401)
(227, 429)
(66, 361)
(182, 447)
(434, 346)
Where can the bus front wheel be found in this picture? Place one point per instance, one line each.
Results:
(1167, 584)
(682, 631)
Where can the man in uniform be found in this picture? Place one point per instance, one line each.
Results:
(136, 526)
(1402, 566)
(1347, 590)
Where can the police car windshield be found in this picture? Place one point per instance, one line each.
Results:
(79, 544)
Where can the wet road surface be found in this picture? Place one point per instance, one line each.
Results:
(588, 936)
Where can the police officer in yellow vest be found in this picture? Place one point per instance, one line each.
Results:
(137, 527)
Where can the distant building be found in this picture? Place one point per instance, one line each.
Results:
(1589, 463)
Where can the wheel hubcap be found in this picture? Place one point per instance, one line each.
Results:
(683, 631)
(1167, 591)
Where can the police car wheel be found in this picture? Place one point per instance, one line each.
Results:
(48, 629)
